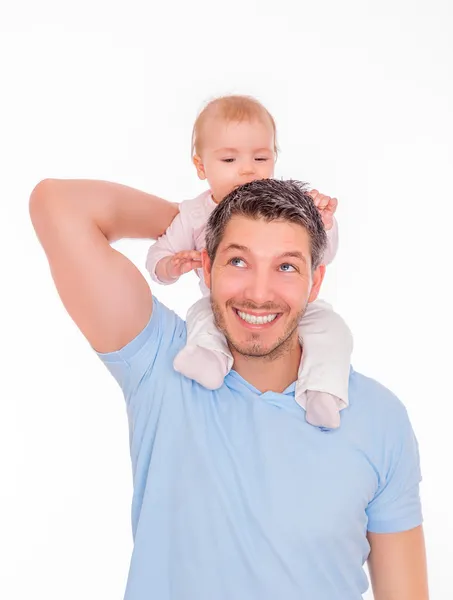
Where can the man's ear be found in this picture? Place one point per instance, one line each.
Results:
(199, 167)
(206, 266)
(317, 279)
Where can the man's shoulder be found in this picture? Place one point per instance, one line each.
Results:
(167, 324)
(369, 396)
(377, 419)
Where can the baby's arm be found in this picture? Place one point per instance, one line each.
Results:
(167, 252)
(327, 207)
(326, 338)
(332, 243)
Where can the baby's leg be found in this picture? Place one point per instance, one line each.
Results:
(324, 374)
(206, 357)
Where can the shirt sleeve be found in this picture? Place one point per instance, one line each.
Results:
(178, 237)
(396, 505)
(150, 352)
(332, 244)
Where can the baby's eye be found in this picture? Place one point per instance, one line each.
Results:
(287, 268)
(227, 160)
(261, 159)
(237, 262)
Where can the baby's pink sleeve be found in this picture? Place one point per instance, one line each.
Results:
(332, 243)
(178, 237)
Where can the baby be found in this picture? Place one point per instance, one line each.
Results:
(233, 143)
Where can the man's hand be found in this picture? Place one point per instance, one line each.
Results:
(326, 206)
(176, 265)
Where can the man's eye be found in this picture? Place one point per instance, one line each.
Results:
(287, 268)
(237, 262)
(227, 160)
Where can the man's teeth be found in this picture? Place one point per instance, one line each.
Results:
(254, 320)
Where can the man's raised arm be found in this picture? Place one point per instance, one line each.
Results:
(75, 221)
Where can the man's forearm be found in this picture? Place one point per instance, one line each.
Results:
(117, 210)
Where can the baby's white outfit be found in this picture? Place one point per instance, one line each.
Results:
(322, 385)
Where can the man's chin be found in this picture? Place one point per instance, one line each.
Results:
(271, 344)
(264, 341)
(249, 351)
(258, 348)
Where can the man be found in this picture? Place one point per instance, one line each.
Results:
(236, 496)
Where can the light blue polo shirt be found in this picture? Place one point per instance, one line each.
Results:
(237, 497)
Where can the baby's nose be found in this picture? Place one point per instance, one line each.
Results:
(247, 168)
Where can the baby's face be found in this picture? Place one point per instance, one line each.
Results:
(234, 153)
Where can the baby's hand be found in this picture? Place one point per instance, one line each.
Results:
(326, 206)
(183, 262)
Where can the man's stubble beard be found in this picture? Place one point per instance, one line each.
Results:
(282, 346)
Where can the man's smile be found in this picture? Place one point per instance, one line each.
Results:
(257, 320)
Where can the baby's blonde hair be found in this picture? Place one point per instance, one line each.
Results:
(231, 108)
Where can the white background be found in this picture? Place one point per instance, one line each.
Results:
(362, 94)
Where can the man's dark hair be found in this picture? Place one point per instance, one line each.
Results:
(271, 200)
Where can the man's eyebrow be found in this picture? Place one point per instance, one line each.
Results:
(294, 254)
(289, 254)
(235, 247)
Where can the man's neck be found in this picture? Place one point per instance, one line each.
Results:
(268, 374)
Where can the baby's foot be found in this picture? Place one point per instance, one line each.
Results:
(206, 367)
(322, 409)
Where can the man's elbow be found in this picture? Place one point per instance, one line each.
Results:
(42, 199)
(41, 195)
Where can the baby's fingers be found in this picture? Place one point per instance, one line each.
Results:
(315, 196)
(189, 265)
(188, 255)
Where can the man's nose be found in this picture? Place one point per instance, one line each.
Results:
(259, 288)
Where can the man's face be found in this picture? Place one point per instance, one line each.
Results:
(261, 281)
